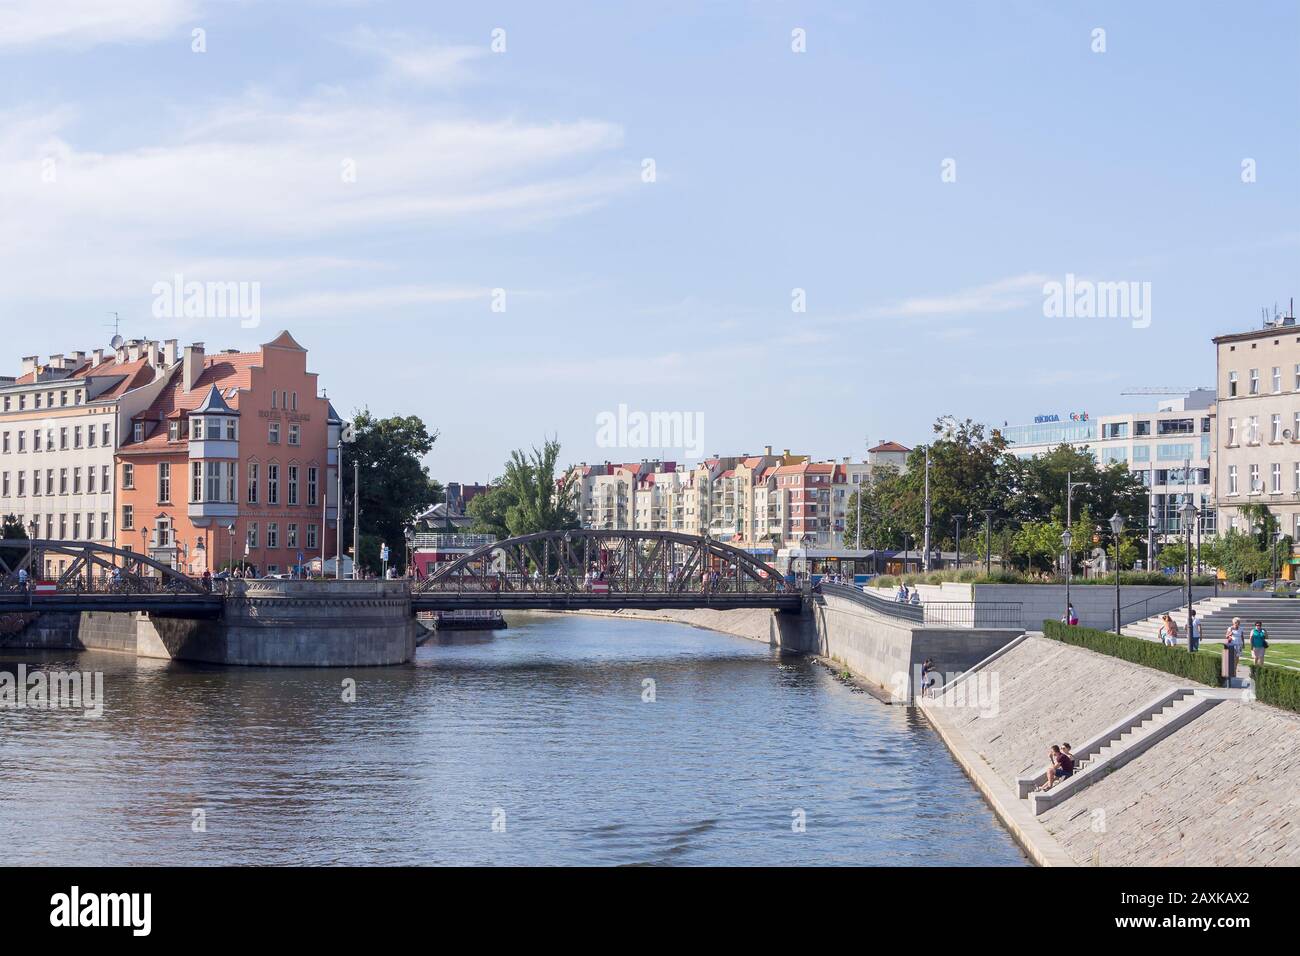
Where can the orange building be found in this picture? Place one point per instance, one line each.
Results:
(233, 462)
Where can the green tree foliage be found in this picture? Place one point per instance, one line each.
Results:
(395, 484)
(12, 528)
(529, 497)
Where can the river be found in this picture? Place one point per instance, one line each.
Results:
(534, 745)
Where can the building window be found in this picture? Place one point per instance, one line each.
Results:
(22, 442)
(76, 481)
(196, 428)
(1254, 381)
(1276, 421)
(103, 526)
(90, 480)
(137, 431)
(196, 481)
(231, 433)
(252, 536)
(76, 526)
(252, 483)
(272, 535)
(128, 518)
(1277, 379)
(4, 485)
(1277, 478)
(174, 431)
(291, 536)
(312, 481)
(214, 481)
(272, 484)
(76, 437)
(103, 479)
(36, 482)
(36, 440)
(232, 491)
(90, 436)
(311, 538)
(295, 434)
(273, 435)
(1232, 432)
(106, 435)
(293, 484)
(63, 438)
(63, 481)
(1255, 486)
(6, 443)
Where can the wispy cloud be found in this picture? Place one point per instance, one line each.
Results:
(408, 57)
(1003, 295)
(86, 23)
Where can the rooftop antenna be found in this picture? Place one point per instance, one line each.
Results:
(117, 340)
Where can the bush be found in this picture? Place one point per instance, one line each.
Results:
(1201, 668)
(1279, 686)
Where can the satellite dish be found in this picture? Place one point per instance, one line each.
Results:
(116, 341)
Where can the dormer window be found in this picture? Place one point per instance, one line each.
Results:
(137, 432)
(173, 431)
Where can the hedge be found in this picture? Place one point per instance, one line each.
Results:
(1172, 660)
(1279, 686)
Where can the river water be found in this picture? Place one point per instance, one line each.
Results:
(533, 745)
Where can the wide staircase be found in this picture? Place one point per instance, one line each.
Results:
(1121, 743)
(1281, 617)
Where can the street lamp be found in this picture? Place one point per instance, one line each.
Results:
(1066, 539)
(34, 526)
(1116, 526)
(1189, 525)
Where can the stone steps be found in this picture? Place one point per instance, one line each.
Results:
(1126, 741)
(1281, 617)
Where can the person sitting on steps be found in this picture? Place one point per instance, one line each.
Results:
(1060, 767)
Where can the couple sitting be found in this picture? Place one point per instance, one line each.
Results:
(1060, 765)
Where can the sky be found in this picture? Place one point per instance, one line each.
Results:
(810, 225)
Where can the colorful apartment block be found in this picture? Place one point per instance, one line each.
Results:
(234, 462)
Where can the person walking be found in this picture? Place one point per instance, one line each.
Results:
(1258, 642)
(1234, 638)
(1194, 634)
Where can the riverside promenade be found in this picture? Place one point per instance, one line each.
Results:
(1221, 789)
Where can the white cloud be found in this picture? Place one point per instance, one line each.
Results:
(109, 223)
(409, 58)
(85, 23)
(1000, 296)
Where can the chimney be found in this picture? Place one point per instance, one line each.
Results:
(97, 356)
(171, 352)
(56, 360)
(133, 350)
(767, 451)
(193, 365)
(29, 364)
(78, 359)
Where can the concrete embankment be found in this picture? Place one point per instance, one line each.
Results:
(791, 632)
(1223, 789)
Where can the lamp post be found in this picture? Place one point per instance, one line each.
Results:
(1189, 524)
(957, 519)
(1066, 538)
(34, 526)
(1116, 526)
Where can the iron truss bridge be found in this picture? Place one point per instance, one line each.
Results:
(587, 570)
(85, 576)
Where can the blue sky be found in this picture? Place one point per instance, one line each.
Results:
(127, 158)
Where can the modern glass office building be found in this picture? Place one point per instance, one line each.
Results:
(1169, 448)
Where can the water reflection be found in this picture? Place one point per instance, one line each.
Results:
(542, 727)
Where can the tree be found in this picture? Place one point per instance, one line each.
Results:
(395, 484)
(529, 497)
(12, 528)
(1038, 539)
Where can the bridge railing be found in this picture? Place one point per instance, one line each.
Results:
(505, 583)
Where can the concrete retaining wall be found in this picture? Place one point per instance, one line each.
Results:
(889, 652)
(790, 632)
(1094, 603)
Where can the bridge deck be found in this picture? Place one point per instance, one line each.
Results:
(587, 601)
(68, 602)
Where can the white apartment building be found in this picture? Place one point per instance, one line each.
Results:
(1170, 449)
(61, 423)
(1257, 428)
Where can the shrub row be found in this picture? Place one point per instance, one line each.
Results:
(1279, 686)
(972, 576)
(1201, 668)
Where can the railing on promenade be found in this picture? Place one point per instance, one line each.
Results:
(934, 613)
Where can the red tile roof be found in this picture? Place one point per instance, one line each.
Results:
(889, 446)
(226, 370)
